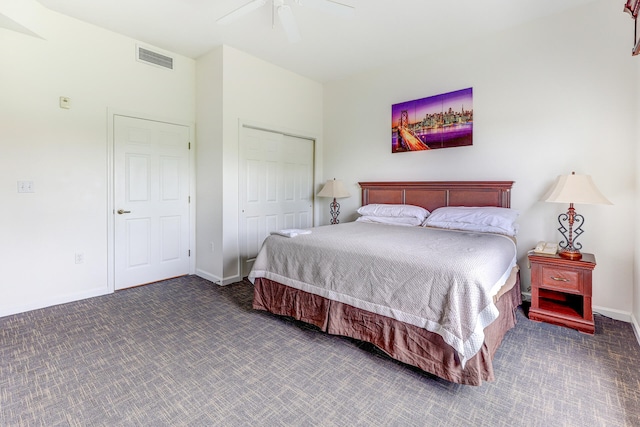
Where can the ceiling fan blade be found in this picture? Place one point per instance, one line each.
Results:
(289, 23)
(241, 11)
(329, 6)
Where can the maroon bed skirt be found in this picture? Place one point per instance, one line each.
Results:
(404, 342)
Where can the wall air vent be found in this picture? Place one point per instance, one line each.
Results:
(154, 58)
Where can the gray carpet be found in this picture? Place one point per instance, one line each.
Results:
(187, 352)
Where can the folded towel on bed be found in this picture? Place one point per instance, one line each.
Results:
(291, 232)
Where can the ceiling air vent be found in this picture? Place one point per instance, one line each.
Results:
(155, 58)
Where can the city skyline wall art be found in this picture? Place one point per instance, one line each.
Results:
(439, 121)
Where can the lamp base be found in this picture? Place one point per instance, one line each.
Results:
(334, 209)
(573, 255)
(571, 250)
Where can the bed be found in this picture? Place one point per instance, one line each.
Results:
(314, 278)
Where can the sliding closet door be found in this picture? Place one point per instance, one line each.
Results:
(276, 187)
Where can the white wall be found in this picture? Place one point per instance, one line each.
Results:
(551, 97)
(209, 165)
(257, 93)
(64, 152)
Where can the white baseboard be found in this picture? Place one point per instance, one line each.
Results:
(614, 314)
(230, 280)
(55, 300)
(636, 327)
(208, 276)
(217, 280)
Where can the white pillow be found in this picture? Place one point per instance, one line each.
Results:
(483, 219)
(383, 210)
(393, 220)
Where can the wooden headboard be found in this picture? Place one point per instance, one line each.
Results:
(434, 194)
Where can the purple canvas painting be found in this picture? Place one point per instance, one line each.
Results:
(440, 121)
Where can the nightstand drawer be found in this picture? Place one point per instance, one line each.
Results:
(563, 279)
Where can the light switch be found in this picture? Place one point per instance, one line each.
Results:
(65, 102)
(25, 187)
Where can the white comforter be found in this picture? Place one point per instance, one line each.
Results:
(440, 280)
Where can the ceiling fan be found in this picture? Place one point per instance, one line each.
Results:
(285, 14)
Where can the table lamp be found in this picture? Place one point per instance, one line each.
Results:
(573, 189)
(336, 190)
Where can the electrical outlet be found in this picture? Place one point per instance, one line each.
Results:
(25, 187)
(212, 247)
(79, 258)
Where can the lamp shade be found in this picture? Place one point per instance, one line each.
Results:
(575, 189)
(334, 188)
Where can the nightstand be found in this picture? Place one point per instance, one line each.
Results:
(561, 291)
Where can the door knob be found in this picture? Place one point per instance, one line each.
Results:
(122, 211)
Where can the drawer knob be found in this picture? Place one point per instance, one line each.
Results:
(559, 279)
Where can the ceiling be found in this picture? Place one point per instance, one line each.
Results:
(380, 33)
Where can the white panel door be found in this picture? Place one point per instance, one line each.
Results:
(276, 188)
(151, 183)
